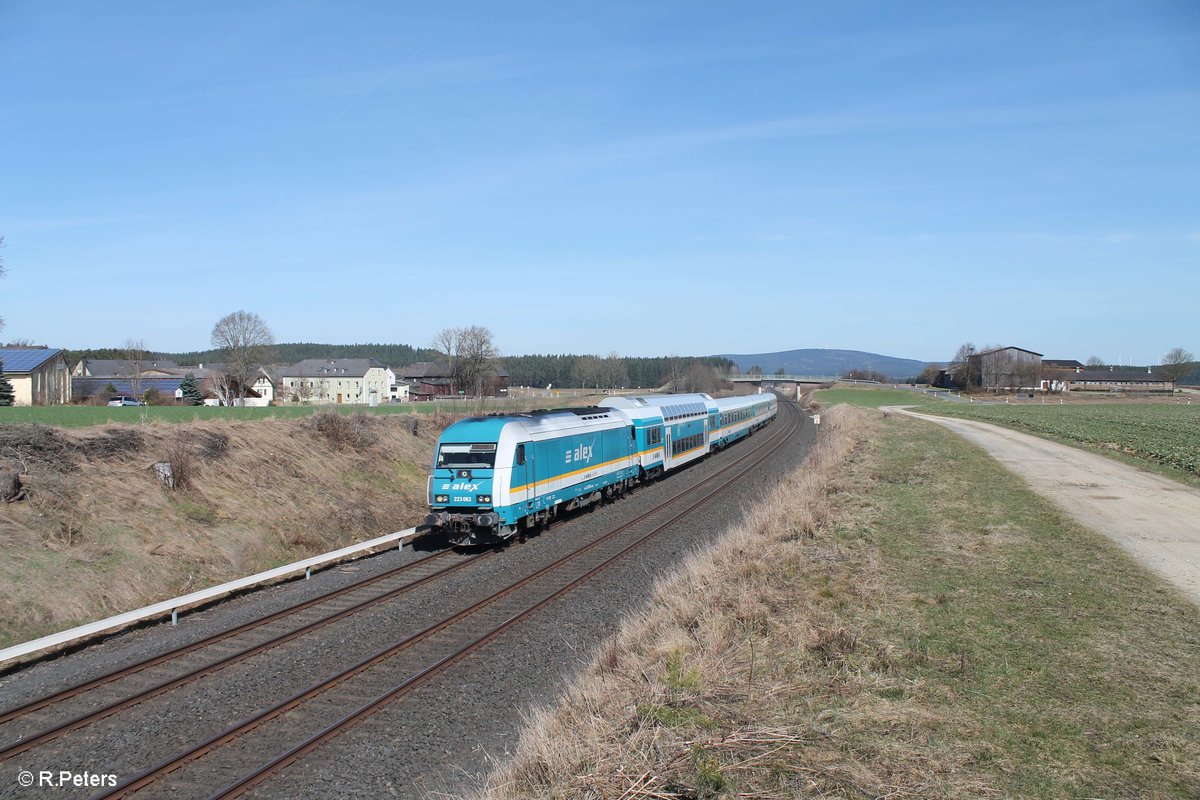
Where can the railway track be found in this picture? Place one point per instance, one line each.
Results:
(246, 640)
(303, 721)
(295, 734)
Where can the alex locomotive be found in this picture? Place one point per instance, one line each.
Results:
(494, 475)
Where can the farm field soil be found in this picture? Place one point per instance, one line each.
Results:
(99, 534)
(901, 618)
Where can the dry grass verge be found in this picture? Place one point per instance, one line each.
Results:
(100, 534)
(901, 619)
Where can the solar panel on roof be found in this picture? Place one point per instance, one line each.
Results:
(22, 359)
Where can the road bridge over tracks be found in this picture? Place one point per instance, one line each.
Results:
(792, 385)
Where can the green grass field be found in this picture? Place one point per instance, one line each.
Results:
(1159, 434)
(83, 416)
(1061, 667)
(873, 398)
(1165, 437)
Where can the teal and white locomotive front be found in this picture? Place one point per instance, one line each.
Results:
(469, 477)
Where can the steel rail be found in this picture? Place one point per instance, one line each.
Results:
(235, 731)
(124, 672)
(83, 720)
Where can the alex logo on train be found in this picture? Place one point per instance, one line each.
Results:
(461, 487)
(581, 453)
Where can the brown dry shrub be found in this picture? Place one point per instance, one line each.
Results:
(345, 431)
(116, 440)
(210, 444)
(181, 455)
(33, 446)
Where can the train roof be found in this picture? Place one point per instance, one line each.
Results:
(744, 400)
(489, 428)
(668, 406)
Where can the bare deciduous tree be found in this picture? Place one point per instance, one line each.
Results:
(616, 373)
(245, 343)
(447, 343)
(962, 369)
(1177, 363)
(1094, 361)
(478, 360)
(587, 372)
(700, 377)
(134, 351)
(470, 355)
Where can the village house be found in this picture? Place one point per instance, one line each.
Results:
(340, 381)
(266, 386)
(428, 380)
(39, 375)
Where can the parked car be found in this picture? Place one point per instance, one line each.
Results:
(125, 401)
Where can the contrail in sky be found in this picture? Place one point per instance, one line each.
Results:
(380, 82)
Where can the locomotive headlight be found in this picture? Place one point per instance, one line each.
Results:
(442, 498)
(483, 499)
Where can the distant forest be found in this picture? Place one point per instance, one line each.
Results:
(533, 370)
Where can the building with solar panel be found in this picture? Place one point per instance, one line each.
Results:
(39, 375)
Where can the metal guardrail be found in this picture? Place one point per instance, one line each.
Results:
(174, 605)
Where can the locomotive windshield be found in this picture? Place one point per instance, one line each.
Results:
(467, 455)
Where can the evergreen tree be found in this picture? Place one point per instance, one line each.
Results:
(191, 390)
(6, 389)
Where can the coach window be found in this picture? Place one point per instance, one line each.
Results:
(520, 454)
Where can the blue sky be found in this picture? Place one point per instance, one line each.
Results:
(641, 177)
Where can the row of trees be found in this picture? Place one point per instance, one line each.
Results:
(614, 371)
(473, 360)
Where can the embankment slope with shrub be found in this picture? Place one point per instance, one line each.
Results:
(99, 533)
(902, 618)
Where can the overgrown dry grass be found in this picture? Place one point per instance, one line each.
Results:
(901, 619)
(100, 534)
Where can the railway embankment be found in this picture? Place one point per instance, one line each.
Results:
(901, 617)
(98, 532)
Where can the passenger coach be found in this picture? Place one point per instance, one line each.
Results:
(494, 475)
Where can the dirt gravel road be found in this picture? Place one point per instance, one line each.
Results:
(1154, 518)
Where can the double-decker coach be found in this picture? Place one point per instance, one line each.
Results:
(739, 416)
(682, 418)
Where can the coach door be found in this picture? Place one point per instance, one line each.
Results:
(666, 447)
(523, 472)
